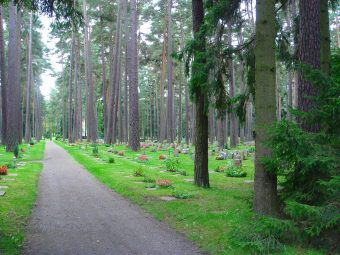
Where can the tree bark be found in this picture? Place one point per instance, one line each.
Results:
(265, 190)
(201, 174)
(4, 83)
(29, 83)
(91, 118)
(13, 94)
(232, 93)
(325, 37)
(134, 141)
(309, 53)
(170, 105)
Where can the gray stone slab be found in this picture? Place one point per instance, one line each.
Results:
(248, 181)
(8, 179)
(3, 187)
(13, 175)
(166, 198)
(189, 180)
(2, 193)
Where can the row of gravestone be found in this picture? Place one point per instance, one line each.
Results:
(3, 188)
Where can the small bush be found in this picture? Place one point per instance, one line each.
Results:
(235, 171)
(150, 185)
(171, 164)
(16, 150)
(31, 142)
(182, 172)
(95, 151)
(3, 170)
(149, 179)
(139, 172)
(182, 194)
(164, 183)
(111, 160)
(251, 149)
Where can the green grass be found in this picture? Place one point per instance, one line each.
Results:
(209, 217)
(16, 205)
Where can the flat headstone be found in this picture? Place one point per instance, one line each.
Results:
(150, 188)
(129, 176)
(162, 171)
(166, 198)
(13, 175)
(8, 179)
(3, 187)
(140, 182)
(248, 181)
(2, 193)
(189, 180)
(212, 172)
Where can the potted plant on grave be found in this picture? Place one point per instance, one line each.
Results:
(3, 170)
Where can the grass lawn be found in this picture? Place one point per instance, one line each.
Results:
(16, 205)
(211, 218)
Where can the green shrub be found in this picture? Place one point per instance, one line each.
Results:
(95, 151)
(111, 160)
(150, 185)
(149, 179)
(182, 194)
(139, 172)
(182, 172)
(235, 171)
(171, 164)
(16, 150)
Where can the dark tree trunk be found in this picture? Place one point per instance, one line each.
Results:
(91, 118)
(29, 84)
(104, 87)
(170, 105)
(325, 37)
(134, 141)
(70, 92)
(309, 53)
(13, 94)
(201, 174)
(162, 134)
(4, 84)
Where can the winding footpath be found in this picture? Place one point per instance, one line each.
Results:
(75, 214)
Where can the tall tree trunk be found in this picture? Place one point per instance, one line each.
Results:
(162, 114)
(70, 92)
(201, 174)
(265, 190)
(126, 82)
(104, 87)
(325, 37)
(29, 83)
(19, 109)
(13, 95)
(232, 93)
(187, 115)
(115, 79)
(134, 141)
(309, 53)
(170, 105)
(91, 118)
(4, 83)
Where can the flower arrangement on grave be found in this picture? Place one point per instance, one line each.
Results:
(220, 169)
(142, 158)
(3, 170)
(162, 157)
(164, 183)
(221, 156)
(121, 153)
(22, 150)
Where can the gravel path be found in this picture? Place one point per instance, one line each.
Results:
(75, 214)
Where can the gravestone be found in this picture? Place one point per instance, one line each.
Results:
(2, 193)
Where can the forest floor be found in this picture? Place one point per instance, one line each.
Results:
(76, 214)
(215, 219)
(20, 186)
